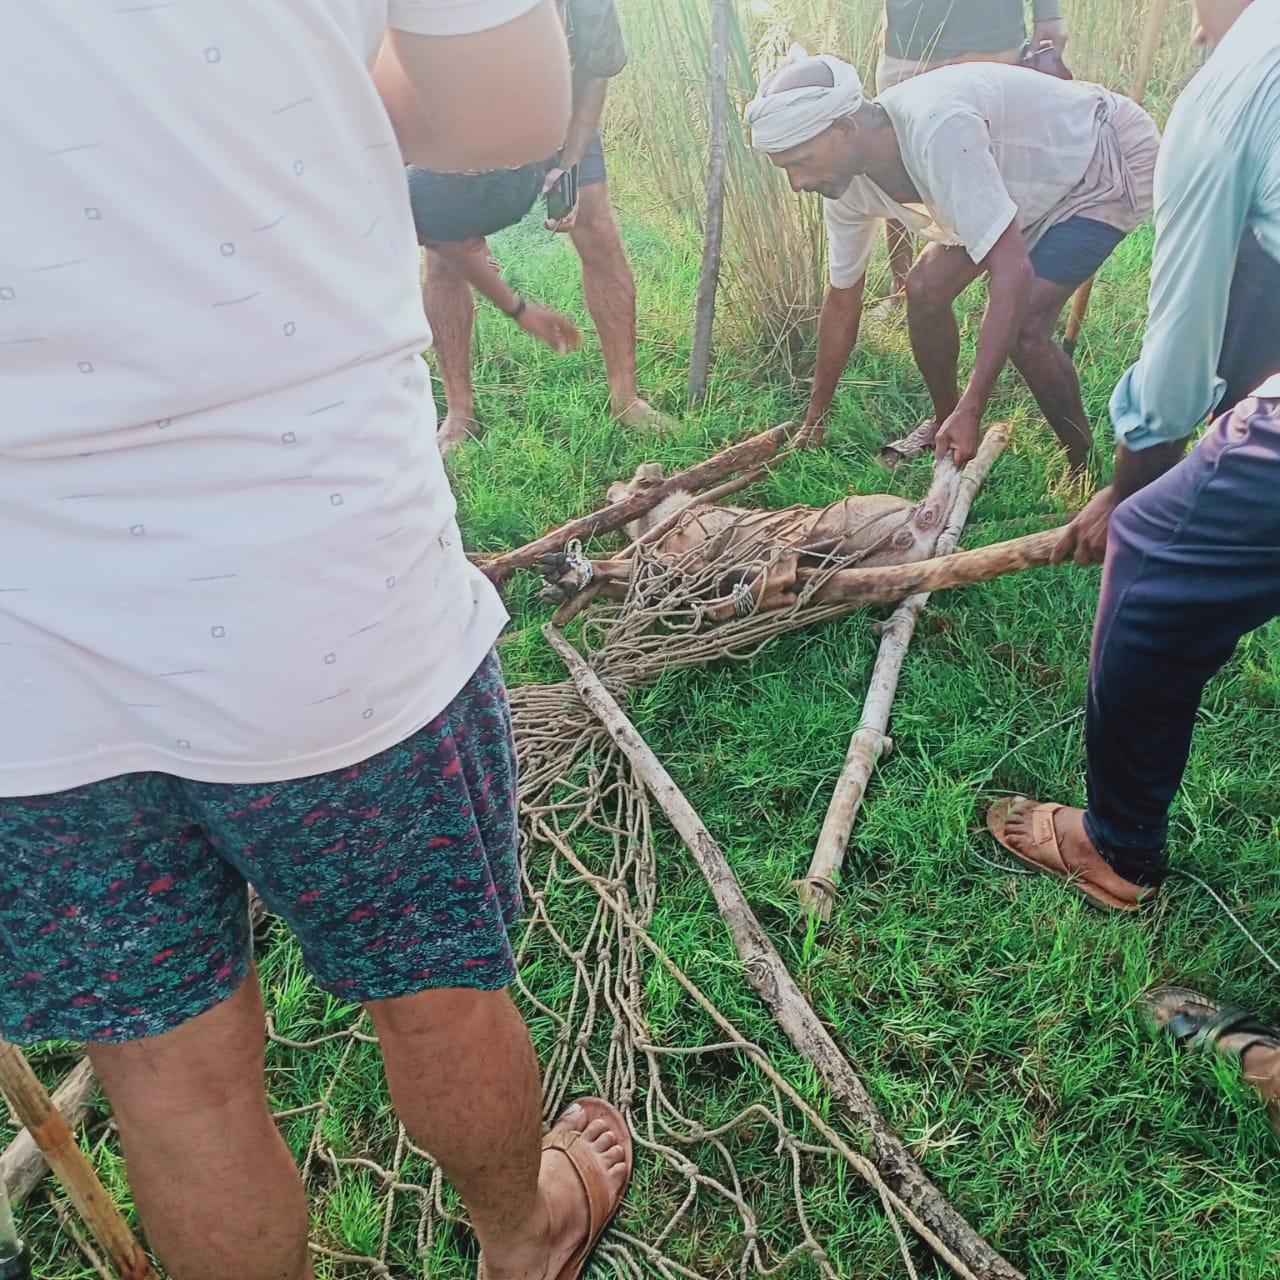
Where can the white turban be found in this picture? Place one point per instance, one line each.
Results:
(780, 121)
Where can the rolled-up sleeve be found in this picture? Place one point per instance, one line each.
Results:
(454, 17)
(966, 189)
(1202, 200)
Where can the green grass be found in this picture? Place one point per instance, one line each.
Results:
(989, 1013)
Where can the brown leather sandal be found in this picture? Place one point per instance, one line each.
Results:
(1046, 857)
(602, 1204)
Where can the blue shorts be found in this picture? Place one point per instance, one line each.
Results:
(124, 904)
(1071, 252)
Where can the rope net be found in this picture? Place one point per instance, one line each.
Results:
(723, 1151)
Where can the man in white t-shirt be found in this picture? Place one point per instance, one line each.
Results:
(239, 638)
(1025, 178)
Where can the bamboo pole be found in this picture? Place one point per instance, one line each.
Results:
(713, 225)
(871, 741)
(1142, 76)
(739, 457)
(768, 975)
(36, 1111)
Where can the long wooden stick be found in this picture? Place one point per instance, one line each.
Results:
(713, 227)
(23, 1166)
(739, 457)
(1142, 76)
(884, 583)
(871, 739)
(769, 977)
(36, 1111)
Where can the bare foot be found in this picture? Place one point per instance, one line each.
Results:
(563, 1203)
(640, 413)
(1083, 861)
(456, 428)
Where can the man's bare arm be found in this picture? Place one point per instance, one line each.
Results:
(589, 94)
(1085, 538)
(494, 99)
(1009, 276)
(837, 336)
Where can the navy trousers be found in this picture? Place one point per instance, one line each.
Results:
(1193, 564)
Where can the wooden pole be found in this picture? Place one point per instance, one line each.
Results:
(747, 453)
(713, 224)
(22, 1166)
(765, 970)
(884, 583)
(36, 1111)
(871, 741)
(1146, 60)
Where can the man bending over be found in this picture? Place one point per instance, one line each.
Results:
(1027, 179)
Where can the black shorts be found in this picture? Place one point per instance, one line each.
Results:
(1069, 253)
(448, 207)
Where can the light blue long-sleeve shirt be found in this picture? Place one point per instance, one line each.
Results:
(1217, 178)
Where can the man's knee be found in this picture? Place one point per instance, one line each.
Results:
(211, 1061)
(1033, 345)
(595, 230)
(426, 1015)
(926, 288)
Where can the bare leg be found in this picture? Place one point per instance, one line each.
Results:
(941, 273)
(464, 1081)
(610, 292)
(451, 311)
(1049, 373)
(215, 1185)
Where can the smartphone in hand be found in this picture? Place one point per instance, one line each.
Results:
(563, 196)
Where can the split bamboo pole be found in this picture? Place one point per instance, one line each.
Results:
(871, 741)
(713, 225)
(746, 454)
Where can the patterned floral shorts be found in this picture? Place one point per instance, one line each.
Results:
(123, 903)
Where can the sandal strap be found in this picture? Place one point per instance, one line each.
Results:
(1197, 1031)
(590, 1175)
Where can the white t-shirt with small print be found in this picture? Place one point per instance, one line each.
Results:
(228, 548)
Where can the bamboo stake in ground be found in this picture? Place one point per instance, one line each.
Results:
(739, 457)
(1146, 60)
(769, 977)
(713, 233)
(871, 740)
(36, 1111)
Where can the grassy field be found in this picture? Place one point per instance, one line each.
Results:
(989, 1013)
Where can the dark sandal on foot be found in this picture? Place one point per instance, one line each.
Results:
(912, 445)
(1203, 1029)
